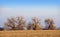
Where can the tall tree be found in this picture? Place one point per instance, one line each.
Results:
(21, 23)
(18, 23)
(36, 25)
(50, 24)
(10, 24)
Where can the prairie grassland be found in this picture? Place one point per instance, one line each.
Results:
(30, 33)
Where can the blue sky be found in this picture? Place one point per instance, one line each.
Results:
(29, 8)
(14, 3)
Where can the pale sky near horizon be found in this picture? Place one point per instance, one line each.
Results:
(29, 8)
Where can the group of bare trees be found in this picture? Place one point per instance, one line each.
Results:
(19, 23)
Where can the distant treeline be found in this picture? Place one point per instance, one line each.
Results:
(1, 28)
(19, 23)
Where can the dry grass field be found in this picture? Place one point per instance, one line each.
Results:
(30, 33)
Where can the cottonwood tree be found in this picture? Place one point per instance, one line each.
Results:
(50, 25)
(10, 24)
(35, 25)
(18, 23)
(21, 23)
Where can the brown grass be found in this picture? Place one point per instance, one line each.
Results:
(30, 33)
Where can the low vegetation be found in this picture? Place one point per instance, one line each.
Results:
(30, 33)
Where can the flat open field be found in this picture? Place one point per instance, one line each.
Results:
(30, 33)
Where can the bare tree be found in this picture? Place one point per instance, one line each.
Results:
(35, 25)
(10, 24)
(50, 24)
(21, 23)
(18, 23)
